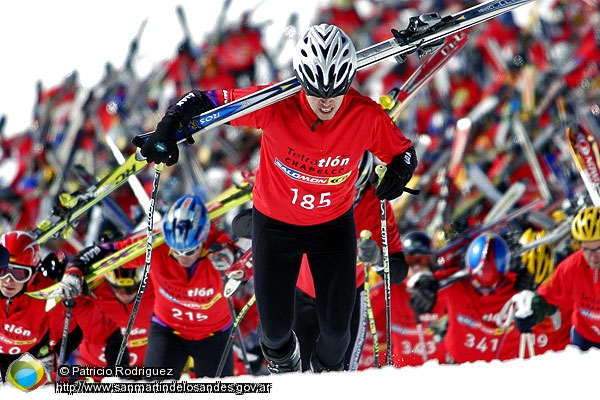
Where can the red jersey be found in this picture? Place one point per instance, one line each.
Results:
(24, 321)
(407, 348)
(307, 166)
(92, 353)
(366, 216)
(473, 333)
(575, 285)
(193, 306)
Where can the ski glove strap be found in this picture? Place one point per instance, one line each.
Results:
(397, 175)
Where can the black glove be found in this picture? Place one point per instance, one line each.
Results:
(524, 325)
(369, 252)
(397, 175)
(161, 146)
(88, 256)
(531, 309)
(424, 293)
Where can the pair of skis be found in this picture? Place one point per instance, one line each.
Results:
(229, 199)
(424, 34)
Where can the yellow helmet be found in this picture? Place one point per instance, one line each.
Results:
(540, 261)
(586, 225)
(125, 278)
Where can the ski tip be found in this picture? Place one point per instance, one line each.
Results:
(50, 304)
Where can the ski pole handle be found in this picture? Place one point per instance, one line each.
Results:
(365, 234)
(380, 170)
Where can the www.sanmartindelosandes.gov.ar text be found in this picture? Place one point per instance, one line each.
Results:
(237, 388)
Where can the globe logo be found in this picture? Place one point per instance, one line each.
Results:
(26, 373)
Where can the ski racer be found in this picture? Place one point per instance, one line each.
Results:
(191, 315)
(574, 285)
(115, 296)
(26, 327)
(474, 305)
(311, 146)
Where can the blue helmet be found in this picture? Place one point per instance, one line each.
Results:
(187, 223)
(488, 261)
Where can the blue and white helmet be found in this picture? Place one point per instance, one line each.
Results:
(187, 223)
(325, 61)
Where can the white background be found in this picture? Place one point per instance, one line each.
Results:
(47, 40)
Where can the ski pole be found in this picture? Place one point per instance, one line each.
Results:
(69, 303)
(366, 235)
(238, 331)
(527, 342)
(380, 170)
(504, 319)
(229, 343)
(158, 168)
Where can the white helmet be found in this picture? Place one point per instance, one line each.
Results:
(325, 61)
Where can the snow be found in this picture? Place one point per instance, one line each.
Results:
(567, 374)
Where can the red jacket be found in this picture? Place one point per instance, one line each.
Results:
(93, 353)
(575, 286)
(473, 333)
(24, 321)
(307, 176)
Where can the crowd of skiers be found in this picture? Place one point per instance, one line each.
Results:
(464, 286)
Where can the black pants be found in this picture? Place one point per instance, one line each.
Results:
(168, 350)
(306, 327)
(277, 250)
(581, 342)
